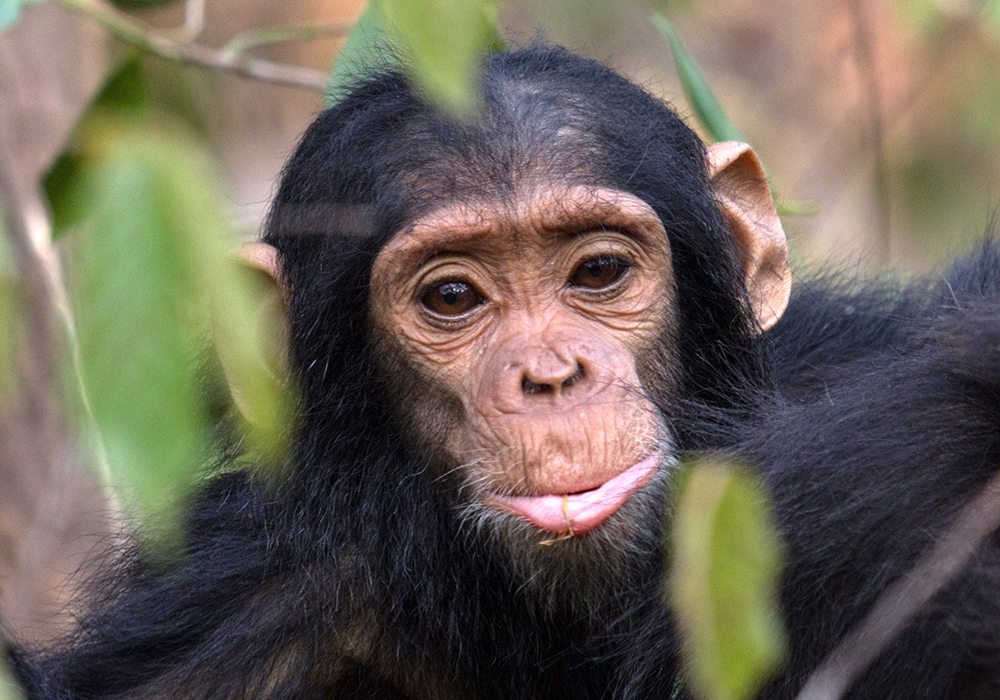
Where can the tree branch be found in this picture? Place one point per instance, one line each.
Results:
(130, 31)
(865, 59)
(240, 43)
(194, 19)
(900, 601)
(27, 225)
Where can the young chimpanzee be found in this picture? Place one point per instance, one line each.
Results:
(505, 334)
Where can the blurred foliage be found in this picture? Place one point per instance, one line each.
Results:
(135, 90)
(579, 22)
(10, 11)
(124, 95)
(707, 109)
(11, 328)
(930, 17)
(154, 272)
(9, 690)
(726, 561)
(991, 11)
(944, 167)
(924, 16)
(441, 42)
(696, 88)
(361, 50)
(140, 207)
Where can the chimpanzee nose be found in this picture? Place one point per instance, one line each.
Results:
(528, 377)
(549, 372)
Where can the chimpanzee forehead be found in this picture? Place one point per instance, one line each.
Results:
(503, 176)
(547, 128)
(511, 147)
(383, 158)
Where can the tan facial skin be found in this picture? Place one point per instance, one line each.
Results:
(533, 316)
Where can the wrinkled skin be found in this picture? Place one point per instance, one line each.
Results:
(555, 298)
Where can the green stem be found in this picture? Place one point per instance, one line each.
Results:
(276, 35)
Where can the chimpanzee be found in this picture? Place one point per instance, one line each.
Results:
(505, 334)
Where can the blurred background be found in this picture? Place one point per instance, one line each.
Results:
(884, 113)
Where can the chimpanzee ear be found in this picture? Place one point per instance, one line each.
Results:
(263, 257)
(745, 198)
(270, 304)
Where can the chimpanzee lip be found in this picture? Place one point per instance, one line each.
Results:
(580, 512)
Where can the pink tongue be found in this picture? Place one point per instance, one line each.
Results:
(580, 511)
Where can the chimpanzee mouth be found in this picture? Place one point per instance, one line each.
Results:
(580, 512)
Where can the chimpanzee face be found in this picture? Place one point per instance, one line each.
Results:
(530, 316)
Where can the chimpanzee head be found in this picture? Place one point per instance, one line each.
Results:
(517, 308)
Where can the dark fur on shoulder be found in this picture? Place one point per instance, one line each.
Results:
(886, 422)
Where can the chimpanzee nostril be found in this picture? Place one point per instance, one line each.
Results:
(574, 378)
(529, 387)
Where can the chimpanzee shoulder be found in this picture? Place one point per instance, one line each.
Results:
(838, 316)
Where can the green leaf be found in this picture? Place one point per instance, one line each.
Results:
(61, 186)
(137, 313)
(10, 12)
(444, 42)
(496, 44)
(360, 51)
(124, 96)
(696, 88)
(9, 689)
(153, 274)
(991, 11)
(125, 91)
(723, 583)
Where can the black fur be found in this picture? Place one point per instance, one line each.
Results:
(870, 457)
(872, 411)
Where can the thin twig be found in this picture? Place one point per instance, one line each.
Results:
(130, 31)
(28, 224)
(900, 601)
(194, 19)
(865, 56)
(240, 43)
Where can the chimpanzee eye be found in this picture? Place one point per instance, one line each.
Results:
(600, 272)
(451, 298)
